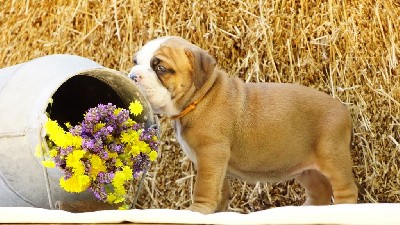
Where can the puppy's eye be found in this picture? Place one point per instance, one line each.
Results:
(134, 61)
(160, 69)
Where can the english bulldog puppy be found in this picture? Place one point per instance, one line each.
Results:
(267, 132)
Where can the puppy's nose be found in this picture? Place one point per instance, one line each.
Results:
(133, 76)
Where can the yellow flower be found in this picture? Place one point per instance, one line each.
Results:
(56, 133)
(124, 207)
(119, 163)
(134, 150)
(38, 151)
(129, 122)
(119, 179)
(111, 198)
(117, 111)
(120, 198)
(153, 155)
(130, 137)
(127, 172)
(144, 147)
(75, 183)
(121, 176)
(98, 126)
(53, 153)
(97, 166)
(119, 190)
(48, 164)
(75, 157)
(75, 141)
(112, 155)
(68, 125)
(118, 182)
(60, 137)
(73, 160)
(136, 108)
(109, 138)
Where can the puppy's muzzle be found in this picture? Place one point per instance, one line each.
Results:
(134, 77)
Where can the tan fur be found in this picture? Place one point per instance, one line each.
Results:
(256, 132)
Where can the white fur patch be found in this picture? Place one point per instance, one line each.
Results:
(158, 96)
(185, 147)
(145, 54)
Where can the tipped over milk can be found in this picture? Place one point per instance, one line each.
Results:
(75, 84)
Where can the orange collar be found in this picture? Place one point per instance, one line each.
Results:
(188, 109)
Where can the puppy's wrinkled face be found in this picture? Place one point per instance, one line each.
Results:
(166, 68)
(147, 78)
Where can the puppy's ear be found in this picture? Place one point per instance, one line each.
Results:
(203, 65)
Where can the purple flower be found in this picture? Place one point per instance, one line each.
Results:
(88, 144)
(76, 130)
(98, 191)
(141, 161)
(113, 147)
(105, 178)
(104, 154)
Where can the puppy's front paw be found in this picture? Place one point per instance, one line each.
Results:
(201, 208)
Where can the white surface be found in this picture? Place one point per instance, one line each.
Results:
(335, 214)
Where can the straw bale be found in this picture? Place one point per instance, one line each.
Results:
(349, 49)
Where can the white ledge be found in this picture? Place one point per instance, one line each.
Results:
(382, 213)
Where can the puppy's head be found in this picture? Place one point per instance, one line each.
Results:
(167, 68)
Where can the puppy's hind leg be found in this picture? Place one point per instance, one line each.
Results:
(317, 187)
(343, 186)
(335, 163)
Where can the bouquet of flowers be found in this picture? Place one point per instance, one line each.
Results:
(103, 153)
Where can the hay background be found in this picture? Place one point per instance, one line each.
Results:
(349, 49)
